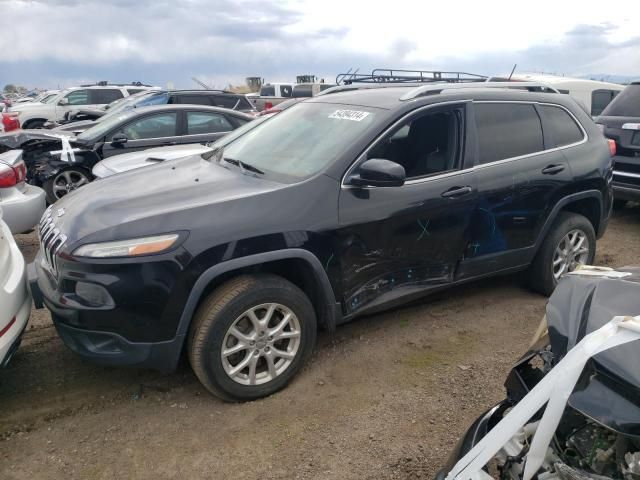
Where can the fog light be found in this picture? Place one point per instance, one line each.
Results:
(93, 294)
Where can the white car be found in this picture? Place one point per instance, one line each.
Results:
(40, 98)
(15, 299)
(131, 161)
(23, 204)
(34, 115)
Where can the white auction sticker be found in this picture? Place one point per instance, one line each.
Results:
(354, 115)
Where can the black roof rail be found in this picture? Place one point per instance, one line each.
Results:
(388, 75)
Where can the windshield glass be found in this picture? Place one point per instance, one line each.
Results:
(626, 103)
(101, 128)
(302, 140)
(134, 101)
(48, 98)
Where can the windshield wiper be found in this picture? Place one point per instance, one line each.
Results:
(243, 165)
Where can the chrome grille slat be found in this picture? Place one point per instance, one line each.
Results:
(51, 239)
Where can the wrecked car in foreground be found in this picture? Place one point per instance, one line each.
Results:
(583, 366)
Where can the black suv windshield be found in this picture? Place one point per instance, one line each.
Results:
(302, 140)
(626, 103)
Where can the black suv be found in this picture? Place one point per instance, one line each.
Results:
(341, 205)
(620, 121)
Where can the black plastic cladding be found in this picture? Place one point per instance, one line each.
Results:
(373, 247)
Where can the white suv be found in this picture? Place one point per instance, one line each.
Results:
(34, 115)
(15, 299)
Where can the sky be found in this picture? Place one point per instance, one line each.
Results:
(59, 43)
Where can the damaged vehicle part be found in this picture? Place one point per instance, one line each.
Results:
(373, 198)
(585, 370)
(61, 163)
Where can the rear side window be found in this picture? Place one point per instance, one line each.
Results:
(224, 101)
(507, 130)
(564, 128)
(302, 91)
(103, 96)
(194, 99)
(268, 91)
(600, 99)
(131, 91)
(626, 103)
(199, 123)
(285, 90)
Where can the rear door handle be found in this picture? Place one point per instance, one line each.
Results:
(553, 169)
(455, 192)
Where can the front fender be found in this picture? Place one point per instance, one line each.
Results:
(49, 165)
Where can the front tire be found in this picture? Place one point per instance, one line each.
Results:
(65, 182)
(570, 242)
(251, 336)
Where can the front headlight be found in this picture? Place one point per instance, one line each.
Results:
(127, 248)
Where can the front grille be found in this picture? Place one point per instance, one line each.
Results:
(51, 240)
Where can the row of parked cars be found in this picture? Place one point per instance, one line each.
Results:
(367, 196)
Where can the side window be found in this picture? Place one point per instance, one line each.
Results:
(205, 122)
(78, 97)
(300, 91)
(600, 99)
(426, 145)
(153, 126)
(104, 96)
(285, 90)
(194, 99)
(224, 101)
(268, 91)
(507, 130)
(564, 128)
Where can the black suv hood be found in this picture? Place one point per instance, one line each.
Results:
(609, 388)
(180, 195)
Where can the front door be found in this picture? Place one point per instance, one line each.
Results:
(398, 242)
(154, 130)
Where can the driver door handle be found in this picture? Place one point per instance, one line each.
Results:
(455, 192)
(552, 169)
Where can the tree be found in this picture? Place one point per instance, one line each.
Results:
(10, 88)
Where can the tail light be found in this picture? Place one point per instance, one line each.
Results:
(10, 121)
(10, 176)
(268, 105)
(612, 147)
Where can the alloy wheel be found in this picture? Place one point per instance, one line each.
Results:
(67, 181)
(572, 251)
(261, 344)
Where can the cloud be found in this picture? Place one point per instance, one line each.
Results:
(63, 42)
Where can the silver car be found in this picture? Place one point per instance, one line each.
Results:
(22, 204)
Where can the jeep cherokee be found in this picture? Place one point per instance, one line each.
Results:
(341, 205)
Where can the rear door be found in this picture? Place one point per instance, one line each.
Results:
(153, 130)
(398, 242)
(520, 176)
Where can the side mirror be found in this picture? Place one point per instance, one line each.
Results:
(119, 139)
(378, 172)
(63, 101)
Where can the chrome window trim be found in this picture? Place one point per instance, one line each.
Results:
(626, 174)
(585, 138)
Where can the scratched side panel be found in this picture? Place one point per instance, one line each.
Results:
(399, 242)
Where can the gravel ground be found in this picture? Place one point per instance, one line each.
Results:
(386, 396)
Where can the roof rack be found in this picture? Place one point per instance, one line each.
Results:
(424, 90)
(104, 83)
(388, 75)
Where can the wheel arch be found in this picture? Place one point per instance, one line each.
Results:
(31, 120)
(588, 203)
(299, 266)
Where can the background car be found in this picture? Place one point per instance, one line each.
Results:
(23, 204)
(61, 163)
(34, 115)
(15, 299)
(620, 122)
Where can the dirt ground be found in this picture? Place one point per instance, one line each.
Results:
(386, 396)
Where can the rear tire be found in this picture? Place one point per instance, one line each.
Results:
(239, 356)
(571, 233)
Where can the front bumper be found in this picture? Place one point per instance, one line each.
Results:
(22, 208)
(626, 178)
(99, 333)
